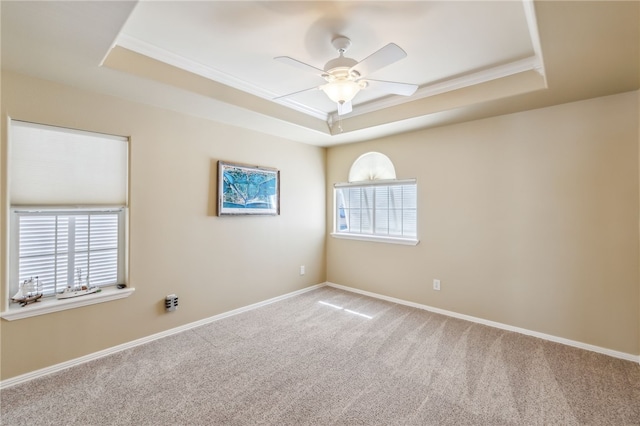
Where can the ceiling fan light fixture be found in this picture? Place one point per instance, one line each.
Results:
(345, 77)
(341, 91)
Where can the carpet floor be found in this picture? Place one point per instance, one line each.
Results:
(330, 357)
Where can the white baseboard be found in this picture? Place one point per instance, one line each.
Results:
(109, 351)
(551, 338)
(96, 355)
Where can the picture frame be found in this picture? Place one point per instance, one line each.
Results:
(248, 190)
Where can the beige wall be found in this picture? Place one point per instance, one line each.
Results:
(529, 219)
(177, 245)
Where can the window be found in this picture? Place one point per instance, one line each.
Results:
(62, 247)
(376, 209)
(382, 209)
(68, 195)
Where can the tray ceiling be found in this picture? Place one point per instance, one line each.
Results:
(216, 58)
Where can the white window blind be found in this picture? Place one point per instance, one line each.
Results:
(378, 208)
(55, 166)
(57, 246)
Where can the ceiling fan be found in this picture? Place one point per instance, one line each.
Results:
(345, 77)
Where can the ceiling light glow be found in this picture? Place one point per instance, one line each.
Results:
(341, 91)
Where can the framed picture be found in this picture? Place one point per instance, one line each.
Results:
(248, 190)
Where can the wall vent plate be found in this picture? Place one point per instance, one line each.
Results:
(171, 302)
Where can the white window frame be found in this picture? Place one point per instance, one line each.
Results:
(383, 238)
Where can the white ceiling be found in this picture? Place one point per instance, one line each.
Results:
(471, 59)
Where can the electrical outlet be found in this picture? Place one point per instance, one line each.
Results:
(302, 270)
(436, 284)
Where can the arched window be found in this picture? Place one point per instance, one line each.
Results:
(374, 205)
(372, 166)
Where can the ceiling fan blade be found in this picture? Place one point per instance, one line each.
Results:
(296, 63)
(298, 92)
(404, 89)
(379, 59)
(344, 108)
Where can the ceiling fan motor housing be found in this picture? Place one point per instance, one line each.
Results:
(339, 67)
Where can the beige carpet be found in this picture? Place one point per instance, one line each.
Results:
(329, 357)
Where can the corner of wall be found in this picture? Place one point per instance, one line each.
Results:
(4, 208)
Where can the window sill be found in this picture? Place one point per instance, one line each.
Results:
(376, 238)
(52, 304)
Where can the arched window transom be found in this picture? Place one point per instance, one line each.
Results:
(372, 166)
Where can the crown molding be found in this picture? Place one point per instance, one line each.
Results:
(147, 49)
(532, 23)
(472, 79)
(534, 62)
